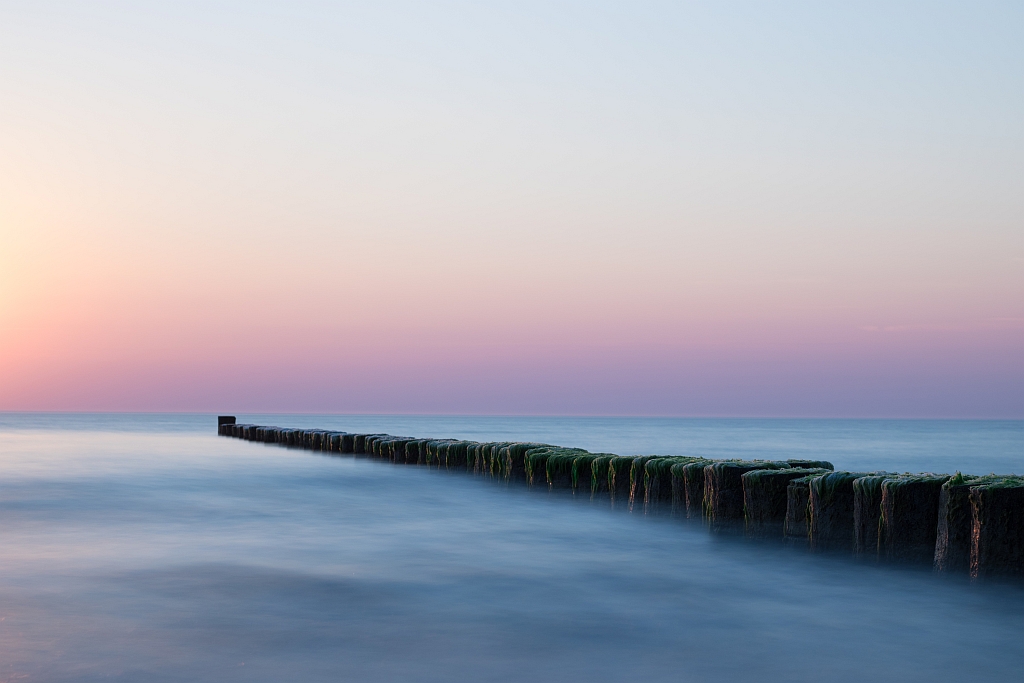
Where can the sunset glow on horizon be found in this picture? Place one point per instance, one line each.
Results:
(593, 208)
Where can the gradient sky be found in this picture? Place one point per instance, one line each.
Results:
(767, 209)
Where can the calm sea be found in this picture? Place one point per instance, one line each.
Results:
(146, 548)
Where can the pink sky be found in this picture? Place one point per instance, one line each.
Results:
(521, 213)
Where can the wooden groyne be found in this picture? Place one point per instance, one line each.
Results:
(959, 523)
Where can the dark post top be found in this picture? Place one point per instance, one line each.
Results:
(225, 420)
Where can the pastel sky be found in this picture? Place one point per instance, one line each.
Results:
(642, 208)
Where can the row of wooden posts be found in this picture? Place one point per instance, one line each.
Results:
(958, 523)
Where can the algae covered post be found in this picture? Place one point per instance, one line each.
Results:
(830, 510)
(867, 513)
(723, 489)
(997, 528)
(909, 517)
(765, 498)
(953, 534)
(797, 501)
(960, 524)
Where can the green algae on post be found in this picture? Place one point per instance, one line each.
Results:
(599, 473)
(431, 452)
(811, 464)
(723, 488)
(658, 489)
(765, 498)
(975, 522)
(619, 468)
(830, 505)
(677, 492)
(443, 453)
(867, 513)
(693, 484)
(373, 442)
(636, 478)
(953, 534)
(910, 511)
(678, 488)
(581, 471)
(997, 528)
(506, 459)
(335, 444)
(393, 448)
(509, 459)
(797, 501)
(558, 467)
(455, 455)
(536, 464)
(415, 452)
(488, 458)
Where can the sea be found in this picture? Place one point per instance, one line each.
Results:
(144, 547)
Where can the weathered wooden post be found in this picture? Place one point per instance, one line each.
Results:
(798, 494)
(910, 513)
(658, 483)
(558, 468)
(960, 522)
(223, 420)
(867, 512)
(693, 486)
(830, 522)
(637, 471)
(723, 489)
(766, 498)
(619, 468)
(997, 528)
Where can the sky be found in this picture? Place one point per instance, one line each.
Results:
(575, 208)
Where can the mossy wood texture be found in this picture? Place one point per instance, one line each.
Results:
(953, 532)
(636, 479)
(582, 475)
(693, 484)
(559, 468)
(797, 493)
(811, 464)
(619, 468)
(960, 523)
(599, 473)
(678, 484)
(997, 529)
(723, 488)
(658, 489)
(867, 512)
(765, 498)
(910, 513)
(830, 506)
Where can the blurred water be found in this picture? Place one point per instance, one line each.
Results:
(138, 547)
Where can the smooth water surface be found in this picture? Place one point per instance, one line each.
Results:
(146, 548)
